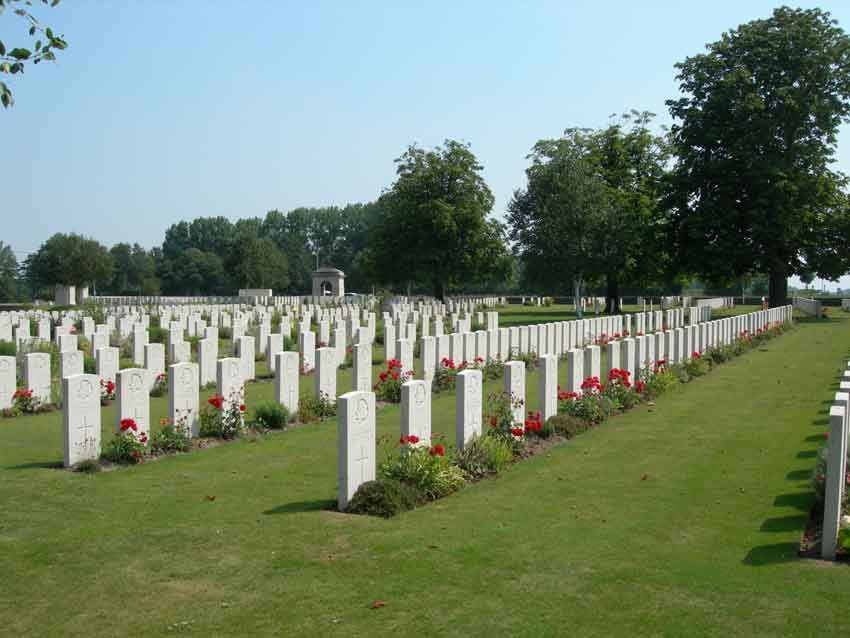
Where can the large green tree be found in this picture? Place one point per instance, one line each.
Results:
(558, 221)
(632, 162)
(14, 59)
(8, 273)
(755, 135)
(69, 259)
(433, 224)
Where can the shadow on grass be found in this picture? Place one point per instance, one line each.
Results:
(814, 437)
(784, 523)
(820, 422)
(807, 454)
(36, 465)
(303, 506)
(798, 500)
(771, 554)
(798, 475)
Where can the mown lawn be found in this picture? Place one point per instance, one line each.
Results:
(573, 542)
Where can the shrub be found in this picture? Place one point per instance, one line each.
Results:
(697, 365)
(388, 387)
(484, 455)
(160, 385)
(107, 391)
(500, 410)
(23, 401)
(216, 421)
(383, 497)
(819, 478)
(620, 390)
(7, 349)
(157, 334)
(568, 425)
(171, 438)
(660, 381)
(528, 358)
(89, 365)
(225, 333)
(444, 376)
(127, 446)
(312, 408)
(425, 468)
(493, 369)
(271, 415)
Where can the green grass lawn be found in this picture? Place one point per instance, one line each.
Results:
(572, 542)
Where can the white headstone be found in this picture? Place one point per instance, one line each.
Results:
(362, 367)
(548, 385)
(81, 418)
(107, 363)
(286, 380)
(8, 381)
(183, 396)
(326, 373)
(416, 410)
(133, 385)
(515, 387)
(469, 403)
(355, 443)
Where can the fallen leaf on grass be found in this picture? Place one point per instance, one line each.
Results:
(644, 477)
(210, 498)
(378, 604)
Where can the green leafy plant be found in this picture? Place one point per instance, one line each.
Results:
(271, 415)
(128, 445)
(170, 438)
(568, 425)
(425, 468)
(222, 419)
(383, 497)
(312, 408)
(484, 455)
(160, 385)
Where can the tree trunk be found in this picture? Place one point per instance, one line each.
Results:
(778, 288)
(439, 289)
(577, 296)
(612, 294)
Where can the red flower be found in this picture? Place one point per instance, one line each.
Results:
(242, 407)
(395, 376)
(437, 450)
(517, 432)
(128, 424)
(493, 421)
(413, 439)
(640, 386)
(402, 440)
(216, 401)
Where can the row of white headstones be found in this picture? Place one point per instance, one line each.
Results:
(836, 466)
(356, 410)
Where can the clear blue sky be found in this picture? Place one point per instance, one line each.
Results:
(161, 111)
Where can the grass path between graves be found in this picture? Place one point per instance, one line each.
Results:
(572, 542)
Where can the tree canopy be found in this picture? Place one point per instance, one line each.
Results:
(755, 135)
(70, 260)
(433, 224)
